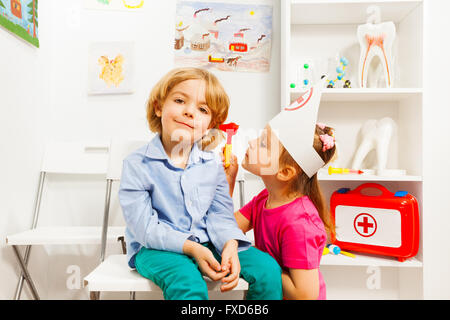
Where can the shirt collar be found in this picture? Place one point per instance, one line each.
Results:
(155, 150)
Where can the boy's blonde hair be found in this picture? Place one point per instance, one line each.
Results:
(215, 95)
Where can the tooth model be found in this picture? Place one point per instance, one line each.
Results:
(376, 134)
(376, 40)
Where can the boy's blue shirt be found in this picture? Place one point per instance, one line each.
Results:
(164, 205)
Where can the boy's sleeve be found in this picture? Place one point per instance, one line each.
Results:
(140, 217)
(221, 224)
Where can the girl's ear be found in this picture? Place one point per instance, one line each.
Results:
(286, 173)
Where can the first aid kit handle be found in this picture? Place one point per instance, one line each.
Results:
(384, 191)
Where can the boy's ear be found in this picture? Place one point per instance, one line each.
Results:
(286, 173)
(157, 109)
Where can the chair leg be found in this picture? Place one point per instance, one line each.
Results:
(26, 274)
(241, 193)
(105, 219)
(94, 295)
(19, 287)
(124, 246)
(37, 205)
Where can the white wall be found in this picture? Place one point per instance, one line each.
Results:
(436, 221)
(43, 95)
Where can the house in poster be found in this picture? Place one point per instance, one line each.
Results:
(238, 44)
(16, 8)
(21, 18)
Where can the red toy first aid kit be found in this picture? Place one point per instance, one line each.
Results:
(385, 224)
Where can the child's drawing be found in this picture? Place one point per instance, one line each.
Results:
(111, 68)
(21, 18)
(127, 5)
(227, 37)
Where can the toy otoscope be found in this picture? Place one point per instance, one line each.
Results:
(332, 170)
(230, 129)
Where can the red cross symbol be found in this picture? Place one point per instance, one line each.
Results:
(365, 225)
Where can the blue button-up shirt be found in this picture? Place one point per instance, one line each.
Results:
(164, 205)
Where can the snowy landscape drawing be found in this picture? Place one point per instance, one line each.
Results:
(223, 36)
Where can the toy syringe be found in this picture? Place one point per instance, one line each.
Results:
(230, 129)
(334, 249)
(332, 170)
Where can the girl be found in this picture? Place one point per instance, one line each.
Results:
(175, 197)
(289, 217)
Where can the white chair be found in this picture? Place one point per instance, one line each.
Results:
(113, 274)
(62, 158)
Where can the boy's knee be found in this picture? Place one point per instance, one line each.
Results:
(272, 272)
(184, 287)
(269, 272)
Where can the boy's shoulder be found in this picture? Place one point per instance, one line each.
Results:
(151, 148)
(137, 155)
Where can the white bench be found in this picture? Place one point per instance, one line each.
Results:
(113, 274)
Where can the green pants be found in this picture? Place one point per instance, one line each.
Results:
(180, 278)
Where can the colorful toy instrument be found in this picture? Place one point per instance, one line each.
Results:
(387, 224)
(230, 129)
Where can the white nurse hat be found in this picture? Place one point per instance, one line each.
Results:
(295, 126)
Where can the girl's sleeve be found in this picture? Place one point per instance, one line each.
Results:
(248, 209)
(141, 218)
(302, 244)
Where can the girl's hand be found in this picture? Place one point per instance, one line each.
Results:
(231, 265)
(231, 171)
(207, 264)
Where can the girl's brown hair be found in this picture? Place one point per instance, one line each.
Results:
(310, 186)
(215, 95)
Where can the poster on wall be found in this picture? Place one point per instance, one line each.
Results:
(121, 5)
(111, 68)
(223, 36)
(21, 18)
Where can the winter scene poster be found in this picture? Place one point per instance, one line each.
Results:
(21, 18)
(223, 36)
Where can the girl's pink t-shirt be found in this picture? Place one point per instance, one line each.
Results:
(293, 233)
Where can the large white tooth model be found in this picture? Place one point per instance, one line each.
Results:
(375, 39)
(376, 134)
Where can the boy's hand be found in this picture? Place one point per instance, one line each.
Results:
(231, 171)
(231, 265)
(207, 264)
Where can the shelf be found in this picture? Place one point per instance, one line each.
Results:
(363, 177)
(350, 177)
(368, 260)
(365, 94)
(349, 11)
